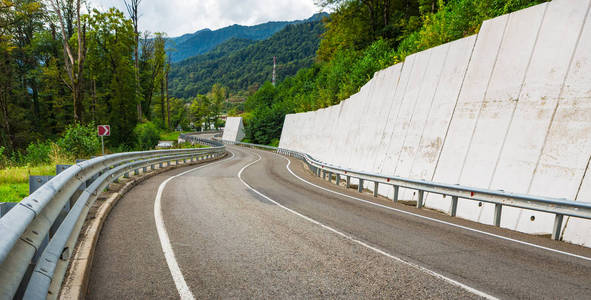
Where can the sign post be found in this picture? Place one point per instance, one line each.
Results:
(103, 130)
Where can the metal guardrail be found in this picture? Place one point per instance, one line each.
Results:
(195, 138)
(558, 207)
(27, 224)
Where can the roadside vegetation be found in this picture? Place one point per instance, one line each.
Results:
(77, 142)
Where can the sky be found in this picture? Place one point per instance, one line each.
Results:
(177, 17)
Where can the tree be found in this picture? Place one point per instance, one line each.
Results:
(218, 96)
(132, 8)
(150, 66)
(160, 61)
(74, 61)
(111, 46)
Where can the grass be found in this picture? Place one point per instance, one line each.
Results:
(21, 174)
(14, 181)
(13, 192)
(187, 145)
(170, 136)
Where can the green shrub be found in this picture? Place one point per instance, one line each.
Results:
(80, 141)
(147, 135)
(38, 154)
(274, 143)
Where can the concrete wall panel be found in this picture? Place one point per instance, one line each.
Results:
(383, 155)
(537, 105)
(234, 129)
(391, 83)
(441, 113)
(467, 109)
(408, 104)
(423, 105)
(563, 170)
(499, 105)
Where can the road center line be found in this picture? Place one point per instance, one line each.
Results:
(437, 220)
(179, 281)
(354, 240)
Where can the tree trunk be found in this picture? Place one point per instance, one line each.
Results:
(94, 100)
(137, 73)
(167, 100)
(162, 109)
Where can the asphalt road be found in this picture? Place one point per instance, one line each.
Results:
(279, 232)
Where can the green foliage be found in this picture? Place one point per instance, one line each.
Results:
(80, 141)
(38, 154)
(240, 64)
(147, 136)
(169, 136)
(14, 192)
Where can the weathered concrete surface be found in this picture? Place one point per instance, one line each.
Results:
(505, 109)
(234, 129)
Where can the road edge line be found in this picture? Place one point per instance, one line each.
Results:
(75, 284)
(173, 266)
(356, 241)
(437, 220)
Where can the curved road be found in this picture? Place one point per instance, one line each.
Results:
(258, 225)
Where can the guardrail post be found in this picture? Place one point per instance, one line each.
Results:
(498, 209)
(145, 170)
(375, 189)
(420, 200)
(136, 172)
(454, 206)
(323, 175)
(360, 186)
(338, 180)
(160, 165)
(126, 175)
(557, 227)
(348, 181)
(330, 177)
(396, 190)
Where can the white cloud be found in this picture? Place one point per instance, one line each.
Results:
(176, 17)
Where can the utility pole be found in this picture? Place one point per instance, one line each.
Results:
(274, 69)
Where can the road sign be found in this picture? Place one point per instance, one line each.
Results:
(104, 130)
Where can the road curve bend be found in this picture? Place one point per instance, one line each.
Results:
(258, 225)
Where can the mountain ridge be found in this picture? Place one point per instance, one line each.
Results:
(204, 40)
(241, 63)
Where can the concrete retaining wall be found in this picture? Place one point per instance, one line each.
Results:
(509, 108)
(234, 129)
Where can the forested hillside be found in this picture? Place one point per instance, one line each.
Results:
(239, 63)
(362, 37)
(63, 71)
(203, 41)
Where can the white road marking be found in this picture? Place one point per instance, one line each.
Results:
(437, 220)
(181, 285)
(354, 240)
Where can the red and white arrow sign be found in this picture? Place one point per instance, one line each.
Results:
(104, 130)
